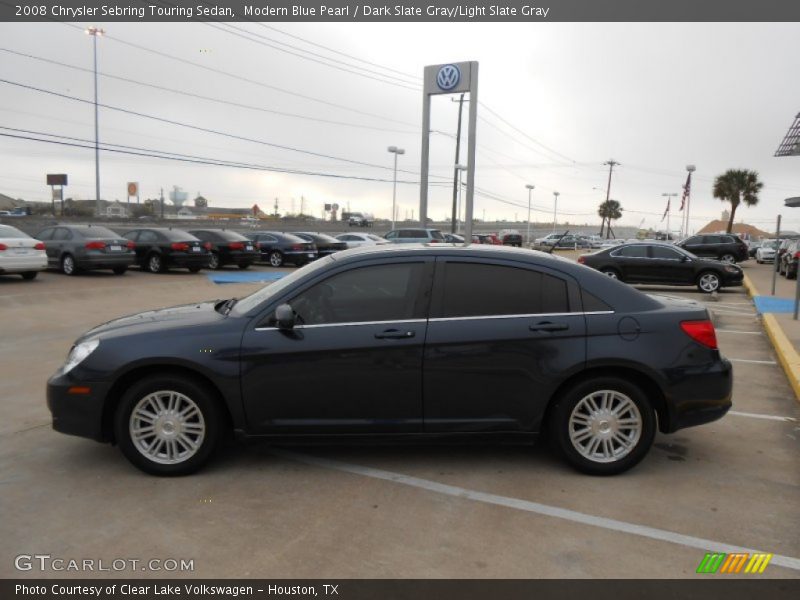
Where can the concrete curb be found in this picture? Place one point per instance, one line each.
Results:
(787, 355)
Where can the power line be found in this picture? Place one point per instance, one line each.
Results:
(208, 98)
(203, 129)
(246, 79)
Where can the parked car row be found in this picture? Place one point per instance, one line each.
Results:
(787, 257)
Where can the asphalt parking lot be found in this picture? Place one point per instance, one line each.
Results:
(355, 512)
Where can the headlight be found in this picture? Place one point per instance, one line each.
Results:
(732, 269)
(78, 354)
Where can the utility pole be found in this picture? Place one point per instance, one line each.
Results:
(530, 189)
(395, 150)
(555, 209)
(611, 164)
(456, 178)
(161, 200)
(276, 207)
(302, 205)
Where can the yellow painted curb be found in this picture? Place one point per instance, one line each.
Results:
(787, 355)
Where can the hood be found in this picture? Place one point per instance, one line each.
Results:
(158, 320)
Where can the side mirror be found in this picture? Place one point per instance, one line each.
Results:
(685, 258)
(284, 316)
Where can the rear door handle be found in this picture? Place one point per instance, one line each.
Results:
(394, 334)
(548, 326)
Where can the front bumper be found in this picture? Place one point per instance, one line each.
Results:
(698, 395)
(78, 414)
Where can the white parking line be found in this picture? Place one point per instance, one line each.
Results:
(737, 331)
(753, 362)
(534, 507)
(736, 413)
(732, 313)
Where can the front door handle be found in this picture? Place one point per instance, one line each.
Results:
(548, 326)
(394, 334)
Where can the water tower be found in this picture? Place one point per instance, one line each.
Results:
(177, 196)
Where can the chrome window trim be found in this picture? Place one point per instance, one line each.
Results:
(524, 316)
(317, 326)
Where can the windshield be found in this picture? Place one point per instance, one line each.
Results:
(248, 303)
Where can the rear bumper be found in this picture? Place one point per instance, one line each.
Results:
(698, 395)
(105, 261)
(187, 260)
(77, 414)
(23, 264)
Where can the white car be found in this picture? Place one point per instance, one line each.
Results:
(766, 252)
(357, 240)
(549, 239)
(20, 253)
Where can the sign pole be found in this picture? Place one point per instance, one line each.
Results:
(777, 247)
(473, 119)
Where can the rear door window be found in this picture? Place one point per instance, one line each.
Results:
(664, 253)
(147, 237)
(475, 290)
(631, 252)
(61, 234)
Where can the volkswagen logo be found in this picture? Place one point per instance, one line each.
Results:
(448, 77)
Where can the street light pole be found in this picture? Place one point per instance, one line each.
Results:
(395, 150)
(94, 32)
(530, 189)
(555, 209)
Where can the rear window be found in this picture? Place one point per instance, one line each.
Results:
(216, 234)
(95, 232)
(436, 235)
(6, 231)
(177, 235)
(631, 252)
(472, 290)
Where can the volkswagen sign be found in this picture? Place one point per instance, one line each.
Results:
(448, 77)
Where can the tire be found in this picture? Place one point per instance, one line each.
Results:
(213, 261)
(194, 269)
(68, 266)
(708, 282)
(612, 273)
(245, 266)
(155, 263)
(728, 258)
(275, 259)
(28, 275)
(119, 270)
(175, 445)
(585, 430)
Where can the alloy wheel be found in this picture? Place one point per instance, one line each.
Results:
(275, 259)
(167, 427)
(213, 261)
(728, 259)
(68, 265)
(709, 282)
(605, 426)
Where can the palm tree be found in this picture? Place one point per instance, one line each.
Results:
(611, 210)
(735, 186)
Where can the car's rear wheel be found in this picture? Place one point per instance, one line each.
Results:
(609, 272)
(119, 270)
(708, 282)
(154, 263)
(728, 258)
(167, 425)
(213, 261)
(603, 426)
(276, 259)
(68, 266)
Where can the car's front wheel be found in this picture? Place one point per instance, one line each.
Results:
(167, 425)
(154, 263)
(728, 258)
(708, 282)
(609, 272)
(603, 426)
(213, 261)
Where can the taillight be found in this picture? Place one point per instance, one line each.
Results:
(797, 254)
(180, 246)
(701, 332)
(39, 246)
(434, 241)
(582, 260)
(3, 247)
(95, 245)
(236, 246)
(298, 247)
(207, 245)
(131, 246)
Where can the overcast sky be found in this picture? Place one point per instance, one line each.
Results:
(655, 97)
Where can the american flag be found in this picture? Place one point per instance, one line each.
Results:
(687, 188)
(667, 209)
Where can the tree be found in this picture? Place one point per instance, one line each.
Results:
(736, 186)
(611, 210)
